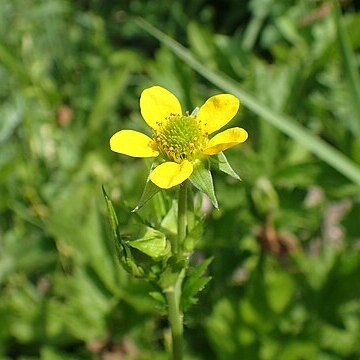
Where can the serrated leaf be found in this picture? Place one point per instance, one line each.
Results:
(194, 283)
(201, 178)
(151, 242)
(221, 163)
(198, 270)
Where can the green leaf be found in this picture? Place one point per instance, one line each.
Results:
(193, 236)
(123, 251)
(169, 222)
(151, 242)
(159, 298)
(201, 178)
(111, 85)
(150, 190)
(14, 64)
(194, 283)
(114, 222)
(350, 66)
(221, 164)
(265, 197)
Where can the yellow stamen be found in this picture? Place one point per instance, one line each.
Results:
(180, 138)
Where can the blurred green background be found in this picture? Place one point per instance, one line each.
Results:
(286, 240)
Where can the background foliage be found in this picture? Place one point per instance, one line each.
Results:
(286, 268)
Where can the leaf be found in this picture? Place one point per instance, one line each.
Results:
(201, 178)
(169, 222)
(14, 64)
(194, 283)
(286, 124)
(114, 222)
(350, 65)
(149, 191)
(123, 251)
(338, 288)
(221, 163)
(109, 89)
(151, 242)
(159, 298)
(193, 236)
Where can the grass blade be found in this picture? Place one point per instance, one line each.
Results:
(350, 67)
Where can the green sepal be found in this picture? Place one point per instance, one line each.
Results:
(150, 242)
(194, 283)
(220, 163)
(201, 178)
(123, 252)
(149, 191)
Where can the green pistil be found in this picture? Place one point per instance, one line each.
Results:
(180, 138)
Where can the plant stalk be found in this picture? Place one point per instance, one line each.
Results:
(181, 221)
(176, 324)
(173, 295)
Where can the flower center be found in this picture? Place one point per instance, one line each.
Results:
(179, 138)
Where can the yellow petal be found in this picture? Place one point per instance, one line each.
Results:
(217, 112)
(133, 143)
(170, 174)
(157, 104)
(225, 140)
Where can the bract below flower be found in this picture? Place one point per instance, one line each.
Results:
(179, 139)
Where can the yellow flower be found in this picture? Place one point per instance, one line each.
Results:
(179, 139)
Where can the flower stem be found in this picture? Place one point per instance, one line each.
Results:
(181, 221)
(176, 322)
(173, 294)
